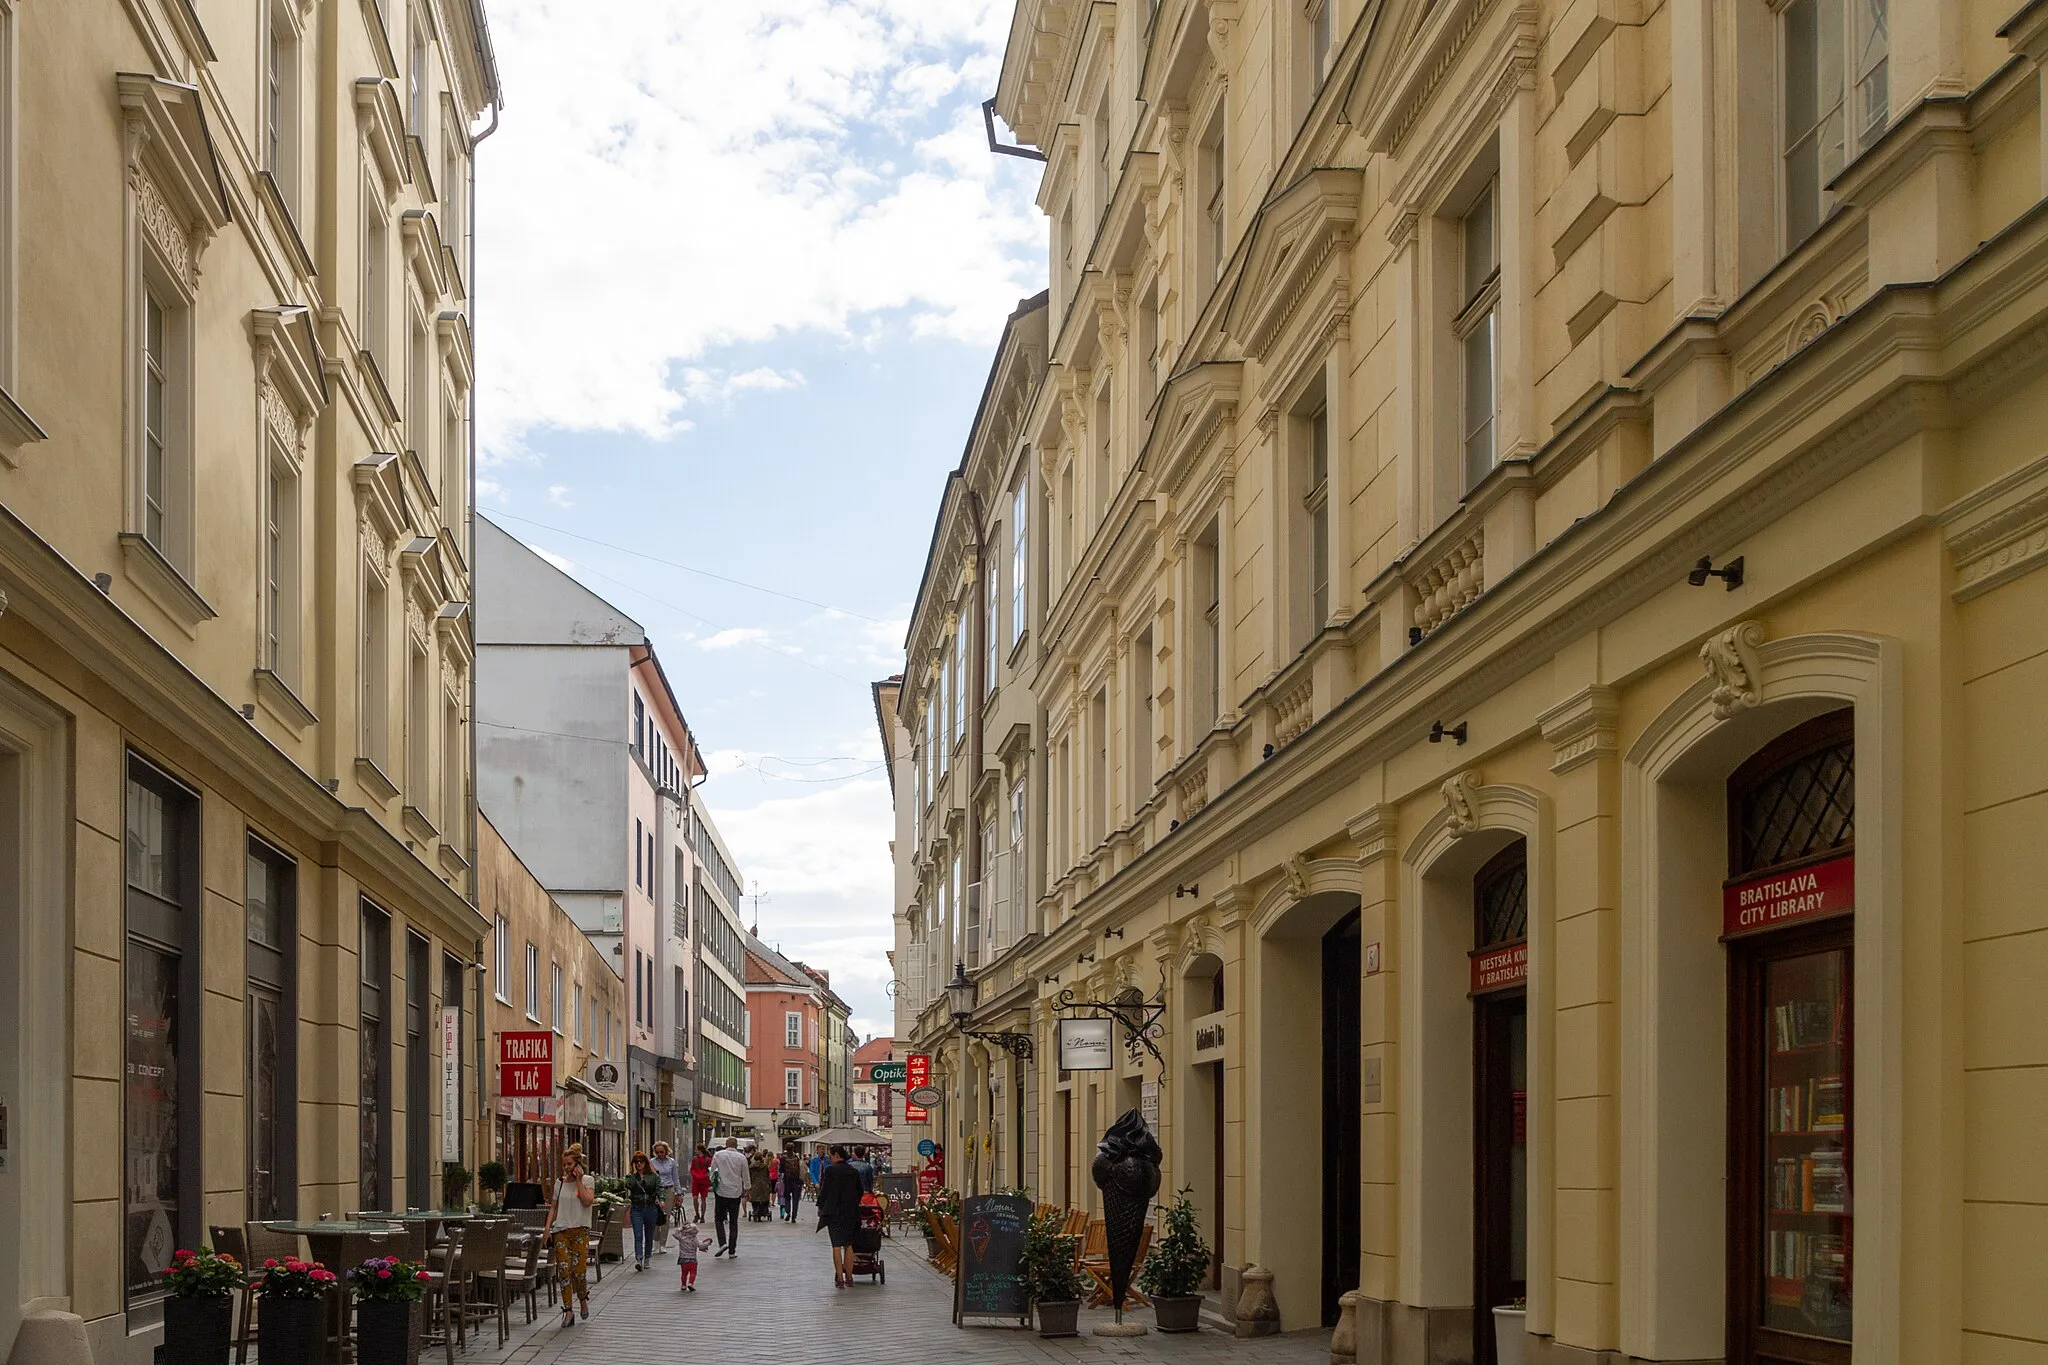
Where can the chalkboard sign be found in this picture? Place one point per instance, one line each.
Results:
(989, 1282)
(899, 1190)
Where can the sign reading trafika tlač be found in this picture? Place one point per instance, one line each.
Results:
(526, 1064)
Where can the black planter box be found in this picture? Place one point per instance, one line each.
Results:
(288, 1331)
(198, 1331)
(1178, 1312)
(388, 1333)
(1059, 1319)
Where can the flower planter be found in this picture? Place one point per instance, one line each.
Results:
(931, 1248)
(1061, 1319)
(1510, 1331)
(289, 1330)
(1178, 1312)
(198, 1331)
(388, 1332)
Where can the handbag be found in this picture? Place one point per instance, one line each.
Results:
(660, 1215)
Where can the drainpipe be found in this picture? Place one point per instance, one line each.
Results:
(977, 728)
(487, 1128)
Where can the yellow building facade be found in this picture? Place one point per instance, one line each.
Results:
(235, 653)
(1534, 512)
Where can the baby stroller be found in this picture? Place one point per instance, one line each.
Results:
(867, 1241)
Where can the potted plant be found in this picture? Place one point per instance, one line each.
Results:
(289, 1307)
(1052, 1283)
(490, 1182)
(942, 1203)
(1510, 1331)
(609, 1212)
(388, 1317)
(454, 1186)
(1175, 1268)
(199, 1316)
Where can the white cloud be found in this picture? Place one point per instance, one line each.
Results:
(558, 494)
(733, 636)
(670, 179)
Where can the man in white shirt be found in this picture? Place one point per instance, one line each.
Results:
(728, 1187)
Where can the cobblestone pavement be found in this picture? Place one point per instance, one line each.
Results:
(777, 1300)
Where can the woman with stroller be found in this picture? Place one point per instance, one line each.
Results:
(839, 1212)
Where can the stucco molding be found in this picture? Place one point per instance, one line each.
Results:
(1581, 728)
(1460, 792)
(1730, 659)
(1300, 879)
(2000, 532)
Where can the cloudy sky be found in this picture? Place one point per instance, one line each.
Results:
(741, 271)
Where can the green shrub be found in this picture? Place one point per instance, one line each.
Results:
(1047, 1266)
(1178, 1262)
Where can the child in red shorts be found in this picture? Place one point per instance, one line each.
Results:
(689, 1241)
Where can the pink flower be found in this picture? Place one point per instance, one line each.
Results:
(271, 1264)
(384, 1274)
(181, 1255)
(423, 1275)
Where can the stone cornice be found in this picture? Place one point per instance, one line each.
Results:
(1581, 728)
(1999, 532)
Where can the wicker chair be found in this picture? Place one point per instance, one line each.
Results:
(483, 1268)
(525, 1277)
(229, 1241)
(599, 1225)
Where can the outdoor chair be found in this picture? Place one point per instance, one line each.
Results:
(1077, 1220)
(483, 1266)
(1097, 1269)
(357, 1247)
(948, 1238)
(523, 1272)
(229, 1241)
(599, 1226)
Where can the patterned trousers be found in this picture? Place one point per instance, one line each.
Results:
(571, 1257)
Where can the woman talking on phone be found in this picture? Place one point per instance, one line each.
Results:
(568, 1233)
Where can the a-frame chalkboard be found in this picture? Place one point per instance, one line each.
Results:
(989, 1282)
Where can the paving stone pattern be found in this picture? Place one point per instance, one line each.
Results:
(777, 1300)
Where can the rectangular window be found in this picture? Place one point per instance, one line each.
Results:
(416, 79)
(1208, 653)
(639, 987)
(575, 1012)
(1098, 768)
(555, 996)
(1315, 505)
(271, 953)
(1836, 60)
(1215, 244)
(376, 283)
(1103, 157)
(452, 767)
(421, 1189)
(418, 740)
(281, 570)
(501, 959)
(375, 680)
(281, 103)
(960, 683)
(533, 983)
(419, 416)
(1105, 455)
(454, 464)
(161, 1157)
(1477, 326)
(1020, 541)
(1141, 719)
(454, 197)
(1321, 18)
(793, 1030)
(639, 726)
(991, 637)
(373, 1102)
(156, 421)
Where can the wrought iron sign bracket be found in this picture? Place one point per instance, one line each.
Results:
(1143, 1020)
(1018, 1045)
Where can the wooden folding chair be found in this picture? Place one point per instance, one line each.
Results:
(1097, 1269)
(1077, 1220)
(949, 1245)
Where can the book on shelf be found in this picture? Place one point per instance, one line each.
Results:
(1815, 1183)
(1799, 1024)
(1813, 1106)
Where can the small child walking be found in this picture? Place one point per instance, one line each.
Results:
(689, 1241)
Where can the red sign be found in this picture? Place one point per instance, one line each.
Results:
(917, 1071)
(916, 1113)
(1496, 969)
(928, 1181)
(526, 1063)
(1815, 892)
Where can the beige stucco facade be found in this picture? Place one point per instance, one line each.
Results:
(1412, 384)
(234, 462)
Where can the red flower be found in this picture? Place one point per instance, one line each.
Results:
(271, 1264)
(384, 1274)
(423, 1275)
(181, 1255)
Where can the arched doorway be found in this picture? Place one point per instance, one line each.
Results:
(1500, 1089)
(1305, 1171)
(1203, 1114)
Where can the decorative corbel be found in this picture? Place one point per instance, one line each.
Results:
(1461, 801)
(1730, 659)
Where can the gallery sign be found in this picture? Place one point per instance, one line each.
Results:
(1783, 898)
(1208, 1039)
(526, 1063)
(1085, 1044)
(1498, 969)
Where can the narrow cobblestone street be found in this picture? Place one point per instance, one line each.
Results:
(778, 1297)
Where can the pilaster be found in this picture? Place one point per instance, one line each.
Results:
(1374, 832)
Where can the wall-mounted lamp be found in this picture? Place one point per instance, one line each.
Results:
(1191, 889)
(1702, 571)
(1050, 979)
(248, 710)
(1112, 933)
(103, 581)
(1269, 751)
(1084, 958)
(1415, 635)
(1437, 732)
(1172, 825)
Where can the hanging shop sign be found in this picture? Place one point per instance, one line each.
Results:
(526, 1063)
(892, 1073)
(1499, 968)
(915, 1113)
(917, 1070)
(604, 1075)
(1783, 898)
(925, 1096)
(451, 1083)
(1085, 1045)
(1208, 1039)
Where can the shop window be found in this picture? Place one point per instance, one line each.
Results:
(420, 1186)
(161, 1156)
(1500, 1065)
(373, 1103)
(272, 954)
(1789, 922)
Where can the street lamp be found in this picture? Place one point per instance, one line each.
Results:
(960, 1003)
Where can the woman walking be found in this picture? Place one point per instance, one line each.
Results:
(568, 1233)
(671, 1177)
(760, 1186)
(700, 1182)
(643, 1192)
(789, 1185)
(839, 1212)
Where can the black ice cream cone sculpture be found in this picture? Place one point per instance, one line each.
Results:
(1126, 1170)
